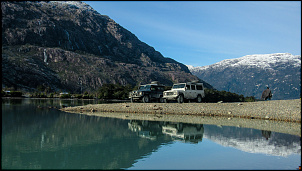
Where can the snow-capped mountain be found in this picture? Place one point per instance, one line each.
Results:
(250, 75)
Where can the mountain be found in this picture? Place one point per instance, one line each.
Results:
(66, 45)
(250, 75)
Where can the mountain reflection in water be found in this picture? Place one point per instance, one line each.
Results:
(45, 138)
(255, 141)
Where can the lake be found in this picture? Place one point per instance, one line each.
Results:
(36, 135)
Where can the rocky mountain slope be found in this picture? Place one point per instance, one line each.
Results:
(66, 45)
(251, 74)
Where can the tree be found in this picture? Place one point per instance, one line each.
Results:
(114, 91)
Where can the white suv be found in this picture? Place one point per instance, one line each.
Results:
(185, 91)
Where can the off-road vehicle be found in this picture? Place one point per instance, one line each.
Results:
(185, 91)
(148, 93)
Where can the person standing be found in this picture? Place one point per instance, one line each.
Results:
(266, 94)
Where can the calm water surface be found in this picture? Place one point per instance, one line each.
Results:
(35, 135)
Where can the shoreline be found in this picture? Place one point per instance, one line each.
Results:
(277, 110)
(284, 109)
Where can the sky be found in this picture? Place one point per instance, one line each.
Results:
(202, 33)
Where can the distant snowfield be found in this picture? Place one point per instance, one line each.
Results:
(256, 60)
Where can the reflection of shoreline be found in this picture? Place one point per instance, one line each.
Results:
(268, 125)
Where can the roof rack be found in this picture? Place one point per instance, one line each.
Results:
(155, 82)
(195, 81)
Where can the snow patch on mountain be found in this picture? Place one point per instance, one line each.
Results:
(257, 60)
(74, 4)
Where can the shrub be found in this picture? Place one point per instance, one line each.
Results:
(114, 91)
(212, 95)
(15, 94)
(79, 96)
(51, 95)
(65, 96)
(87, 96)
(250, 99)
(3, 93)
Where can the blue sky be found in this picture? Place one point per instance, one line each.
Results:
(201, 33)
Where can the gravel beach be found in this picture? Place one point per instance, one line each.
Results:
(279, 110)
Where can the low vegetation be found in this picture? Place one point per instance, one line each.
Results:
(212, 95)
(11, 93)
(117, 91)
(114, 91)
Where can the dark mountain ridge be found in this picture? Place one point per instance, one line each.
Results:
(62, 44)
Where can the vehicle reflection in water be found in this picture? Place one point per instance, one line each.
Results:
(185, 132)
(35, 136)
(145, 129)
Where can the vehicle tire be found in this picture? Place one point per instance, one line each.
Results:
(179, 127)
(199, 99)
(146, 99)
(161, 100)
(199, 126)
(145, 123)
(166, 101)
(180, 98)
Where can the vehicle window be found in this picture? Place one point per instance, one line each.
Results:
(142, 87)
(188, 87)
(199, 87)
(161, 88)
(147, 87)
(178, 86)
(153, 88)
(192, 87)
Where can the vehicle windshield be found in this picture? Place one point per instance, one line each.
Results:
(175, 86)
(141, 87)
(147, 87)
